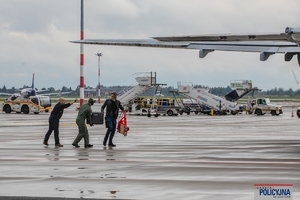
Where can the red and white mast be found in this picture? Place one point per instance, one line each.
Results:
(81, 57)
(99, 55)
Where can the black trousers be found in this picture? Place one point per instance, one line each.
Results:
(111, 124)
(53, 126)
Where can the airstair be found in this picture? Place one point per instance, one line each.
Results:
(144, 81)
(207, 100)
(239, 89)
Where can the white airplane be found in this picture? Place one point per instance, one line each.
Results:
(28, 92)
(287, 43)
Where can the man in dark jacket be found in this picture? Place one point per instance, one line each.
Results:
(112, 112)
(55, 115)
(84, 113)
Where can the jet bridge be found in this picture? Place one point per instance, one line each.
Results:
(144, 81)
(208, 100)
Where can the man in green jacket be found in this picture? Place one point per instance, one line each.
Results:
(84, 113)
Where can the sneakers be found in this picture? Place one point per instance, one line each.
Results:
(76, 145)
(88, 146)
(59, 145)
(112, 145)
(45, 143)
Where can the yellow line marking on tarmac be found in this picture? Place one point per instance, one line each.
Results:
(72, 124)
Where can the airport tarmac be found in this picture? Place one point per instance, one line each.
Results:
(185, 157)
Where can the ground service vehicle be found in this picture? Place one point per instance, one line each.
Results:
(33, 104)
(261, 106)
(156, 106)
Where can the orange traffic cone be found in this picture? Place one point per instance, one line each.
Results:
(292, 113)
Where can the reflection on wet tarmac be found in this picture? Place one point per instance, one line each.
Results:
(83, 155)
(53, 155)
(110, 153)
(184, 157)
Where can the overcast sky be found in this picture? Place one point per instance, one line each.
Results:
(35, 37)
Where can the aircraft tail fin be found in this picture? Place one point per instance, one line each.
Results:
(32, 85)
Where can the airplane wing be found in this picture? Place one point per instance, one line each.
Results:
(56, 94)
(5, 94)
(40, 91)
(266, 44)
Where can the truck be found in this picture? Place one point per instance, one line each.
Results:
(33, 104)
(261, 106)
(156, 106)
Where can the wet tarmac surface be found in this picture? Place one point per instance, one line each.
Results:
(184, 157)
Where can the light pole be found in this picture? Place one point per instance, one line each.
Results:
(99, 55)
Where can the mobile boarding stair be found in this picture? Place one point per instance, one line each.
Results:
(239, 89)
(220, 105)
(207, 100)
(186, 106)
(144, 81)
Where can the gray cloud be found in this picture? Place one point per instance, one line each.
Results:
(35, 37)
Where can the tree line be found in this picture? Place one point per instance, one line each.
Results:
(220, 91)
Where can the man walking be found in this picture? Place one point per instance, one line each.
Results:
(85, 113)
(55, 115)
(112, 112)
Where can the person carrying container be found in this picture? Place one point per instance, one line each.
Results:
(112, 106)
(84, 113)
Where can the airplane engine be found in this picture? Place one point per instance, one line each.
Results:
(289, 30)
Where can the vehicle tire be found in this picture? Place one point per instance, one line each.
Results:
(156, 115)
(149, 115)
(181, 113)
(25, 109)
(170, 112)
(259, 112)
(298, 113)
(196, 112)
(36, 113)
(188, 113)
(7, 108)
(46, 111)
(273, 112)
(176, 114)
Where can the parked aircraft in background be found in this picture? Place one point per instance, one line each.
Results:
(32, 91)
(287, 43)
(26, 92)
